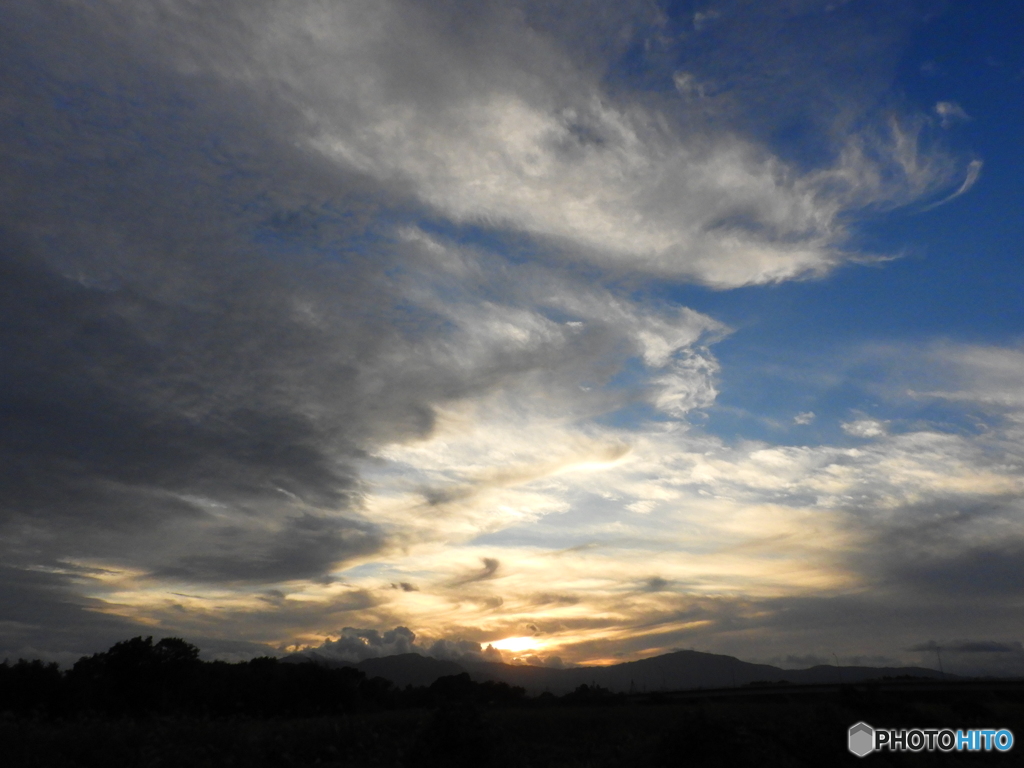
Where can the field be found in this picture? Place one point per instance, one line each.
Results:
(747, 727)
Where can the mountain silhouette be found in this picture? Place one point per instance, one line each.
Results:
(409, 669)
(401, 669)
(677, 671)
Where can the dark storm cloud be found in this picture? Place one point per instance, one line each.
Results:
(950, 544)
(196, 344)
(125, 409)
(988, 571)
(305, 546)
(985, 646)
(203, 329)
(112, 383)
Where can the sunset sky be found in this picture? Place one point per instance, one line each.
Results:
(586, 330)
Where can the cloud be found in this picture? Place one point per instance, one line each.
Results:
(656, 584)
(804, 418)
(46, 618)
(971, 176)
(702, 18)
(490, 568)
(950, 112)
(459, 650)
(688, 86)
(501, 128)
(918, 516)
(986, 375)
(356, 644)
(984, 570)
(970, 646)
(864, 428)
(196, 372)
(161, 412)
(300, 301)
(984, 646)
(686, 384)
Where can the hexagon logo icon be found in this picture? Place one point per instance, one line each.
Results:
(861, 739)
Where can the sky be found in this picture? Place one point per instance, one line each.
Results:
(550, 332)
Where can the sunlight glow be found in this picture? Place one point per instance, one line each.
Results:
(519, 644)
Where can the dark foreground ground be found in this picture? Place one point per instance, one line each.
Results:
(749, 727)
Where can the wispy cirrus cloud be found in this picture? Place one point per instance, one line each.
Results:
(502, 128)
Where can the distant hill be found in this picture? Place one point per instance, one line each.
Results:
(678, 671)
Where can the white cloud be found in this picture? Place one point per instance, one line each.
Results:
(722, 212)
(988, 375)
(687, 384)
(864, 428)
(502, 128)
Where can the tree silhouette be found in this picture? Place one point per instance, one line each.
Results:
(31, 687)
(135, 676)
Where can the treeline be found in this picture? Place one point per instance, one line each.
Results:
(138, 677)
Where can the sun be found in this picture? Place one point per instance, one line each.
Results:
(519, 644)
